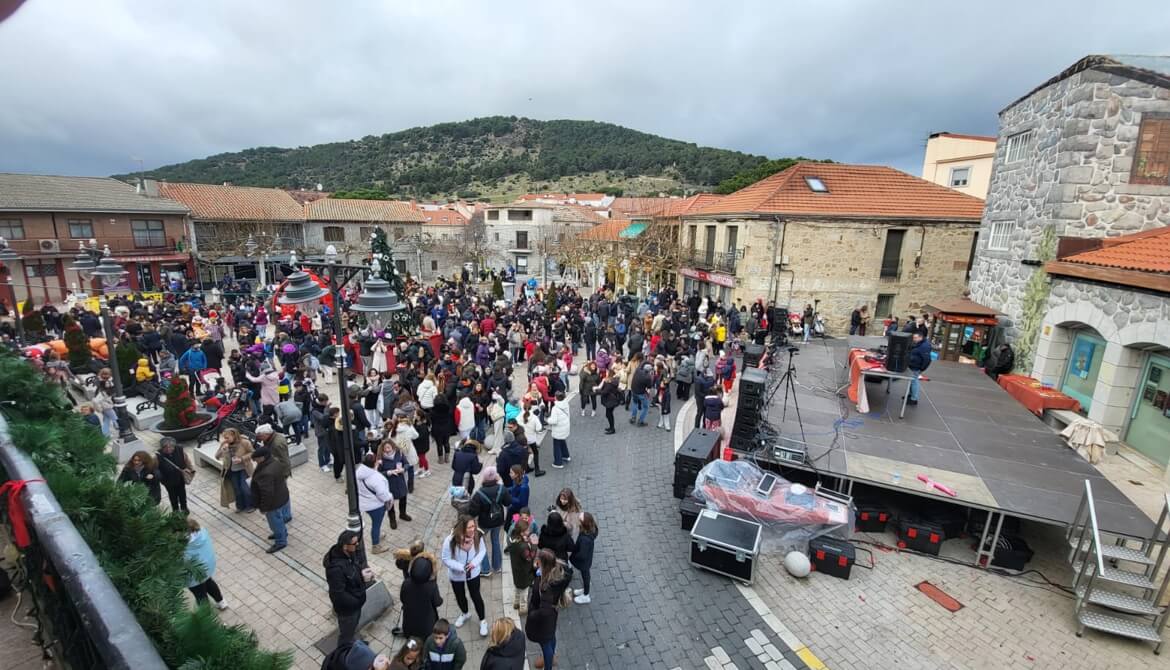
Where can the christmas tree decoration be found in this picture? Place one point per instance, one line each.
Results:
(384, 255)
(78, 344)
(179, 411)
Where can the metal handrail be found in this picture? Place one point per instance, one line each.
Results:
(116, 633)
(1161, 557)
(1096, 546)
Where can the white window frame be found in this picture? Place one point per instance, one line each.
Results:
(966, 178)
(1018, 146)
(1001, 235)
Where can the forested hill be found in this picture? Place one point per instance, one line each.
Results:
(469, 157)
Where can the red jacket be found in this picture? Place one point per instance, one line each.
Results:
(541, 382)
(487, 325)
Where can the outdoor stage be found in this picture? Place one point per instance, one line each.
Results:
(966, 432)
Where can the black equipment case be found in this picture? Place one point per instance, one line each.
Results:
(872, 517)
(725, 544)
(831, 556)
(919, 535)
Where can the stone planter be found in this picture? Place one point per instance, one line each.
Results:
(185, 434)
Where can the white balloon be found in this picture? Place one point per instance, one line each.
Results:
(797, 564)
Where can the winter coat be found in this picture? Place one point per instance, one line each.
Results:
(521, 555)
(269, 487)
(451, 657)
(442, 420)
(464, 462)
(147, 477)
(541, 625)
(426, 394)
(278, 445)
(558, 420)
(484, 499)
(200, 552)
(713, 408)
(589, 381)
(920, 356)
(268, 386)
(420, 598)
(455, 559)
(582, 551)
(686, 370)
(465, 420)
(611, 396)
(343, 573)
(193, 360)
(373, 490)
(508, 656)
(512, 454)
(519, 492)
(396, 482)
(641, 382)
(602, 359)
(556, 536)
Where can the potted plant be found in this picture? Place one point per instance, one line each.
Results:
(77, 342)
(180, 420)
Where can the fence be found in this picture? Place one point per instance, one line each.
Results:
(83, 621)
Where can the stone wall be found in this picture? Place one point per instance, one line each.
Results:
(839, 263)
(1075, 178)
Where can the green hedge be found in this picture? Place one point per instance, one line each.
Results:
(139, 546)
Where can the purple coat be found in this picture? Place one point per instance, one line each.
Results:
(603, 360)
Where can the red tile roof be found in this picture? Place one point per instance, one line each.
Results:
(872, 191)
(640, 206)
(302, 196)
(605, 232)
(587, 196)
(442, 217)
(342, 209)
(234, 203)
(1147, 251)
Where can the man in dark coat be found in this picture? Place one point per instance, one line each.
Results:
(270, 493)
(513, 453)
(919, 360)
(347, 584)
(420, 598)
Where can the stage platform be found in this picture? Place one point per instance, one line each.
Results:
(966, 432)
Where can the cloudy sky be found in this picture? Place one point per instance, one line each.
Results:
(95, 87)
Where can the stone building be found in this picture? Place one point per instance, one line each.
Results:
(530, 237)
(347, 225)
(834, 234)
(1072, 248)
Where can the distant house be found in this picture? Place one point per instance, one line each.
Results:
(348, 224)
(1073, 246)
(444, 233)
(961, 162)
(224, 217)
(44, 219)
(529, 237)
(843, 235)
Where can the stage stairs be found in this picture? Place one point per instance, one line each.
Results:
(1120, 583)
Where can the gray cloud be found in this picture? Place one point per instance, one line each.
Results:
(91, 86)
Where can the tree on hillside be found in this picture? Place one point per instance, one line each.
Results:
(362, 194)
(762, 171)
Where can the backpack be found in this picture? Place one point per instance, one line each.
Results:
(620, 328)
(495, 515)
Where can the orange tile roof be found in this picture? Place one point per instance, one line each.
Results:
(679, 206)
(234, 203)
(853, 191)
(442, 217)
(1147, 251)
(641, 206)
(587, 196)
(605, 232)
(343, 209)
(576, 214)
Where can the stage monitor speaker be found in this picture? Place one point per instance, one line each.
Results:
(752, 353)
(778, 319)
(898, 352)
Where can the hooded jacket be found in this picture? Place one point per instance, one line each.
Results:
(420, 598)
(512, 454)
(200, 552)
(343, 573)
(373, 489)
(555, 535)
(558, 420)
(452, 655)
(466, 414)
(508, 656)
(426, 393)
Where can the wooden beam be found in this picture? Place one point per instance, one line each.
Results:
(1150, 281)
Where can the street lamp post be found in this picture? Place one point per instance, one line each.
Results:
(91, 263)
(7, 258)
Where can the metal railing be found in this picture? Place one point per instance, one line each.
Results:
(891, 271)
(82, 619)
(31, 248)
(713, 260)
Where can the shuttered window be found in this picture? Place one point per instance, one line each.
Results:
(1152, 159)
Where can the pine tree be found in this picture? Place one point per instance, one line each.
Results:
(550, 298)
(380, 246)
(33, 322)
(498, 288)
(78, 344)
(179, 411)
(128, 356)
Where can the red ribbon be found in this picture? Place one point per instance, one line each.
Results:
(16, 510)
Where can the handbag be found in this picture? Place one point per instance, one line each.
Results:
(410, 454)
(495, 412)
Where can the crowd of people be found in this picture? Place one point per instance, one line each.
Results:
(439, 399)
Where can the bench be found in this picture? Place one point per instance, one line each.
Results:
(205, 454)
(153, 397)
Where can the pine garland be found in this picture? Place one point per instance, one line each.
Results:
(138, 545)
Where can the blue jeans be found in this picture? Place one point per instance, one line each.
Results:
(323, 453)
(276, 521)
(549, 650)
(493, 560)
(376, 517)
(286, 511)
(239, 482)
(806, 332)
(561, 449)
(914, 385)
(109, 421)
(640, 405)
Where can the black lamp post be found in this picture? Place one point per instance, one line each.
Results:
(90, 263)
(7, 258)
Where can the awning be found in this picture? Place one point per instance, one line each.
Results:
(633, 230)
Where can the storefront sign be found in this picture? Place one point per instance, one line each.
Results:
(709, 277)
(974, 320)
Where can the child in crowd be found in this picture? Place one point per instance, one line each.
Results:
(519, 492)
(582, 555)
(443, 649)
(521, 552)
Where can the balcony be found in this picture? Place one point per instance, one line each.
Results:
(31, 248)
(891, 271)
(714, 261)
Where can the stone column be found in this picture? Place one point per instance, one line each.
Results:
(1116, 384)
(1052, 351)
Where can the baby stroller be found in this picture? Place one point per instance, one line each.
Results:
(231, 414)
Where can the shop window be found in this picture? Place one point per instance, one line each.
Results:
(81, 229)
(1084, 364)
(1149, 424)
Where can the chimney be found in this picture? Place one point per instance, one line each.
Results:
(227, 183)
(150, 188)
(138, 185)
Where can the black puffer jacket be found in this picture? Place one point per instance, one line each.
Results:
(347, 589)
(507, 656)
(420, 599)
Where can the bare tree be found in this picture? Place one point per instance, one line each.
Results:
(654, 254)
(474, 245)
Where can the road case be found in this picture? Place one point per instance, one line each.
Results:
(725, 544)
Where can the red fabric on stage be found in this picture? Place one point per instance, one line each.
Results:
(1032, 395)
(857, 366)
(16, 510)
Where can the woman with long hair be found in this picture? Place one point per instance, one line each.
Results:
(141, 469)
(392, 464)
(463, 553)
(235, 454)
(506, 647)
(543, 599)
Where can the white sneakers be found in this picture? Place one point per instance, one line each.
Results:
(326, 468)
(424, 474)
(483, 629)
(461, 620)
(582, 412)
(582, 599)
(592, 412)
(222, 605)
(578, 592)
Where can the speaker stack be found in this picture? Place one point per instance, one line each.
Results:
(778, 319)
(752, 353)
(696, 451)
(749, 409)
(898, 351)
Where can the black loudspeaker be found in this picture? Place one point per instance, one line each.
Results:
(752, 383)
(778, 319)
(697, 450)
(898, 351)
(752, 353)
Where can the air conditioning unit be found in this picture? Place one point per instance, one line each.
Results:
(50, 246)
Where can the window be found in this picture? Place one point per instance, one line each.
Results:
(81, 229)
(816, 185)
(884, 306)
(434, 265)
(1084, 363)
(493, 215)
(400, 265)
(366, 232)
(40, 268)
(334, 233)
(692, 236)
(1018, 146)
(1152, 158)
(148, 233)
(960, 176)
(1001, 235)
(521, 265)
(12, 229)
(522, 239)
(495, 237)
(519, 214)
(732, 238)
(892, 256)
